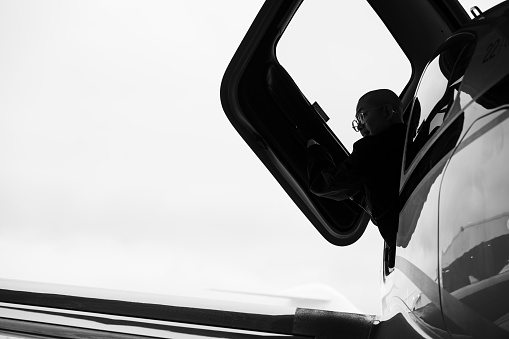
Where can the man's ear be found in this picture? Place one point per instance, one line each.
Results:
(389, 112)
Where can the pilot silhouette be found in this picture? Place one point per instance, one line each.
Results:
(374, 166)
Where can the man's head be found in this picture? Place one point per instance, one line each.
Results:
(378, 110)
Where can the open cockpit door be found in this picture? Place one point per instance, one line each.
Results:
(275, 119)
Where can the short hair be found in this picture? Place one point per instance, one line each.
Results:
(380, 97)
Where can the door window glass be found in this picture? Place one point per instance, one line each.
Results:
(436, 93)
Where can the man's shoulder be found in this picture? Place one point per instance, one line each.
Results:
(395, 133)
(366, 142)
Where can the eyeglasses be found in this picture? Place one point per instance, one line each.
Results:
(356, 125)
(360, 117)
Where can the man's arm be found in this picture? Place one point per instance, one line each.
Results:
(328, 180)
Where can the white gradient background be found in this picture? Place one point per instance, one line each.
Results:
(119, 169)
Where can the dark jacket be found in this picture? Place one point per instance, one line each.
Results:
(373, 168)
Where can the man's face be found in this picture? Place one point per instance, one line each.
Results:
(363, 130)
(372, 116)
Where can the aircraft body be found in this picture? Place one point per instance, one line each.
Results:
(449, 275)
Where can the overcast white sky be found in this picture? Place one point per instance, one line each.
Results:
(119, 169)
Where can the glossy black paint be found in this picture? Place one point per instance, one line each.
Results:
(453, 252)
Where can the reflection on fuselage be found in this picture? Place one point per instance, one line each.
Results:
(474, 234)
(465, 263)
